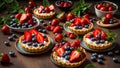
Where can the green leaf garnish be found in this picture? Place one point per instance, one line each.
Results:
(80, 8)
(46, 3)
(60, 14)
(89, 66)
(111, 36)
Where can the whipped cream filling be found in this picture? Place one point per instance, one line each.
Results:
(94, 42)
(62, 59)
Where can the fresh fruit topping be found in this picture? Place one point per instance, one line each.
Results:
(23, 18)
(70, 16)
(60, 51)
(6, 30)
(76, 44)
(115, 59)
(51, 7)
(100, 61)
(33, 31)
(72, 36)
(64, 4)
(100, 56)
(58, 37)
(103, 9)
(29, 15)
(40, 38)
(109, 16)
(48, 27)
(17, 16)
(32, 4)
(57, 29)
(12, 54)
(4, 58)
(55, 22)
(47, 10)
(6, 43)
(110, 53)
(27, 36)
(86, 16)
(93, 58)
(28, 10)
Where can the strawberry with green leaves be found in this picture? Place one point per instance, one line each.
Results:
(4, 58)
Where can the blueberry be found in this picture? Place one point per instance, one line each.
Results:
(33, 35)
(64, 54)
(71, 48)
(24, 41)
(49, 22)
(67, 48)
(14, 24)
(97, 42)
(44, 35)
(44, 24)
(13, 20)
(65, 35)
(12, 54)
(44, 31)
(100, 56)
(43, 11)
(95, 54)
(56, 44)
(67, 57)
(93, 39)
(14, 35)
(72, 20)
(19, 25)
(29, 25)
(93, 58)
(98, 35)
(41, 44)
(110, 53)
(23, 26)
(10, 38)
(35, 21)
(114, 21)
(35, 44)
(100, 61)
(40, 30)
(12, 16)
(115, 59)
(86, 26)
(91, 35)
(111, 22)
(80, 27)
(63, 42)
(11, 23)
(41, 20)
(34, 39)
(102, 41)
(6, 43)
(67, 52)
(29, 43)
(76, 27)
(117, 51)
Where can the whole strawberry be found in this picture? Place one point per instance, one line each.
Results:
(58, 37)
(6, 30)
(4, 58)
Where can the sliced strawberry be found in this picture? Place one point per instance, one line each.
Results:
(23, 18)
(33, 31)
(40, 38)
(51, 7)
(41, 8)
(73, 24)
(60, 51)
(17, 16)
(27, 36)
(57, 29)
(72, 36)
(70, 16)
(96, 31)
(4, 58)
(87, 20)
(77, 21)
(55, 48)
(47, 10)
(48, 27)
(74, 56)
(103, 36)
(88, 36)
(58, 37)
(77, 42)
(66, 44)
(55, 22)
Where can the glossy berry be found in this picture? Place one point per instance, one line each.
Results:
(93, 39)
(71, 48)
(115, 59)
(40, 30)
(12, 54)
(67, 57)
(95, 54)
(14, 35)
(86, 26)
(100, 61)
(44, 24)
(117, 51)
(102, 41)
(67, 52)
(97, 42)
(64, 54)
(34, 39)
(35, 44)
(10, 38)
(93, 58)
(6, 43)
(41, 44)
(67, 48)
(76, 27)
(100, 56)
(110, 53)
(29, 43)
(41, 20)
(44, 31)
(24, 41)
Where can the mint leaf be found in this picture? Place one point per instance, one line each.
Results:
(46, 3)
(111, 36)
(89, 66)
(2, 4)
(8, 1)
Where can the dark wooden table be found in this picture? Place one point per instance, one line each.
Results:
(43, 60)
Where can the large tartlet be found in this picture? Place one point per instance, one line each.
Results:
(80, 27)
(41, 13)
(97, 40)
(74, 59)
(39, 47)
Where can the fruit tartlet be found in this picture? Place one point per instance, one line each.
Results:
(44, 12)
(108, 21)
(80, 25)
(67, 54)
(34, 41)
(99, 39)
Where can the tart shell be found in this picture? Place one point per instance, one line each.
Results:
(34, 49)
(97, 47)
(43, 15)
(81, 31)
(67, 64)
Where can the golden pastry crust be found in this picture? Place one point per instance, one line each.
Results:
(100, 23)
(81, 31)
(67, 64)
(34, 49)
(43, 15)
(97, 47)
